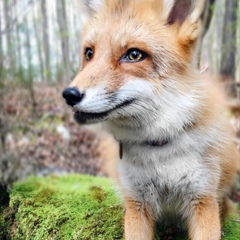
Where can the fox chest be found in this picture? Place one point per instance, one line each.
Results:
(163, 182)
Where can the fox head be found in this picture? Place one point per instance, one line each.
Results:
(137, 61)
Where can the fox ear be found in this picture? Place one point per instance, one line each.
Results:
(93, 6)
(189, 16)
(89, 7)
(180, 10)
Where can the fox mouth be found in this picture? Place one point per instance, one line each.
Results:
(84, 117)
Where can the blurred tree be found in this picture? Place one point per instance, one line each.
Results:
(30, 66)
(18, 40)
(229, 44)
(64, 36)
(37, 31)
(7, 17)
(209, 10)
(1, 48)
(206, 18)
(46, 43)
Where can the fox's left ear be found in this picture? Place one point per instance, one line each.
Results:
(185, 12)
(188, 17)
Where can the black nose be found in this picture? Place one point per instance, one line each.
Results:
(72, 96)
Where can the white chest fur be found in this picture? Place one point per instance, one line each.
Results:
(167, 177)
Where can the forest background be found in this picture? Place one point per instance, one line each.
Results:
(39, 55)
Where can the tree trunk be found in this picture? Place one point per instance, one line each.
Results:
(219, 13)
(46, 44)
(64, 35)
(1, 48)
(18, 41)
(7, 18)
(206, 20)
(37, 30)
(30, 70)
(229, 47)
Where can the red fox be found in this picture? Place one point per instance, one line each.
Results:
(139, 77)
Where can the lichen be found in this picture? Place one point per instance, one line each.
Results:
(73, 207)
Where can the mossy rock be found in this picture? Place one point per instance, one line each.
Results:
(71, 207)
(66, 207)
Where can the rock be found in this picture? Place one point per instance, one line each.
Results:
(64, 132)
(64, 207)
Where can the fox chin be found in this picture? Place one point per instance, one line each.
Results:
(139, 76)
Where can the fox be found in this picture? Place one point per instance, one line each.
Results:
(139, 78)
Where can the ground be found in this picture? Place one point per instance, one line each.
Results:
(45, 139)
(73, 207)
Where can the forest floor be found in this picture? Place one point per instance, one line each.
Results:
(42, 137)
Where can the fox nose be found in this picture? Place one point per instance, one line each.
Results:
(72, 96)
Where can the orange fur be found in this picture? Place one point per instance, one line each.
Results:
(204, 223)
(139, 222)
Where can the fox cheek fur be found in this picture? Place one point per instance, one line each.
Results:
(139, 77)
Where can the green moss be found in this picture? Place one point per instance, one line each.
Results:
(231, 228)
(74, 207)
(67, 207)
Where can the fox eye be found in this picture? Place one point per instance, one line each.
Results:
(134, 55)
(88, 54)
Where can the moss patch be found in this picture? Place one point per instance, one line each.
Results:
(66, 207)
(73, 207)
(231, 228)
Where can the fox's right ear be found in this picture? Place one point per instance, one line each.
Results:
(89, 7)
(94, 6)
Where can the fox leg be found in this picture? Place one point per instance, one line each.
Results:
(204, 220)
(227, 207)
(138, 222)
